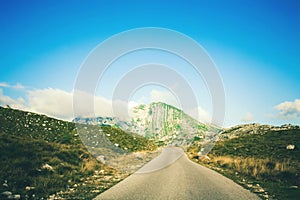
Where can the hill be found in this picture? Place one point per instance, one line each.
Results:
(42, 157)
(162, 123)
(263, 158)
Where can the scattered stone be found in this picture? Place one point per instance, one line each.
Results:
(290, 147)
(52, 197)
(138, 154)
(6, 193)
(10, 197)
(266, 196)
(101, 159)
(29, 188)
(261, 190)
(47, 167)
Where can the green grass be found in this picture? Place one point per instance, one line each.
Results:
(268, 145)
(22, 160)
(28, 141)
(259, 159)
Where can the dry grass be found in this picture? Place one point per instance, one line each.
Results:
(89, 165)
(258, 159)
(254, 167)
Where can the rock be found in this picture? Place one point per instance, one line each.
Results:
(52, 197)
(29, 188)
(101, 159)
(6, 193)
(10, 197)
(266, 196)
(261, 190)
(5, 184)
(47, 167)
(290, 147)
(17, 196)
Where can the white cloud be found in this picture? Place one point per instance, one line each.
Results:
(200, 114)
(6, 100)
(59, 104)
(101, 107)
(248, 117)
(3, 84)
(52, 102)
(17, 86)
(289, 109)
(162, 96)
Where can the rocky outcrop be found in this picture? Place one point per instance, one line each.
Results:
(255, 128)
(160, 122)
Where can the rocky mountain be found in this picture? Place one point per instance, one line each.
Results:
(160, 122)
(255, 128)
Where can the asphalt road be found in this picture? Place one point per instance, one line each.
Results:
(173, 176)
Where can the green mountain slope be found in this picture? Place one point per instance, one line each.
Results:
(162, 123)
(43, 157)
(265, 159)
(167, 124)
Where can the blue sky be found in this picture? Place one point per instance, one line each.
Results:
(255, 45)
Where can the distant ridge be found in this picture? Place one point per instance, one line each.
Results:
(160, 122)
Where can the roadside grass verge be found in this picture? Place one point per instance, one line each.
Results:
(38, 169)
(259, 162)
(44, 158)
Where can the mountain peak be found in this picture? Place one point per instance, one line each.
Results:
(160, 122)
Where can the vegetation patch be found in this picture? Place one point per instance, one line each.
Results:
(267, 163)
(44, 158)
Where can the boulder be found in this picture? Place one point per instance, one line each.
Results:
(47, 167)
(6, 193)
(290, 147)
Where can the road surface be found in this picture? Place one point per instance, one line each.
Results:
(173, 176)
